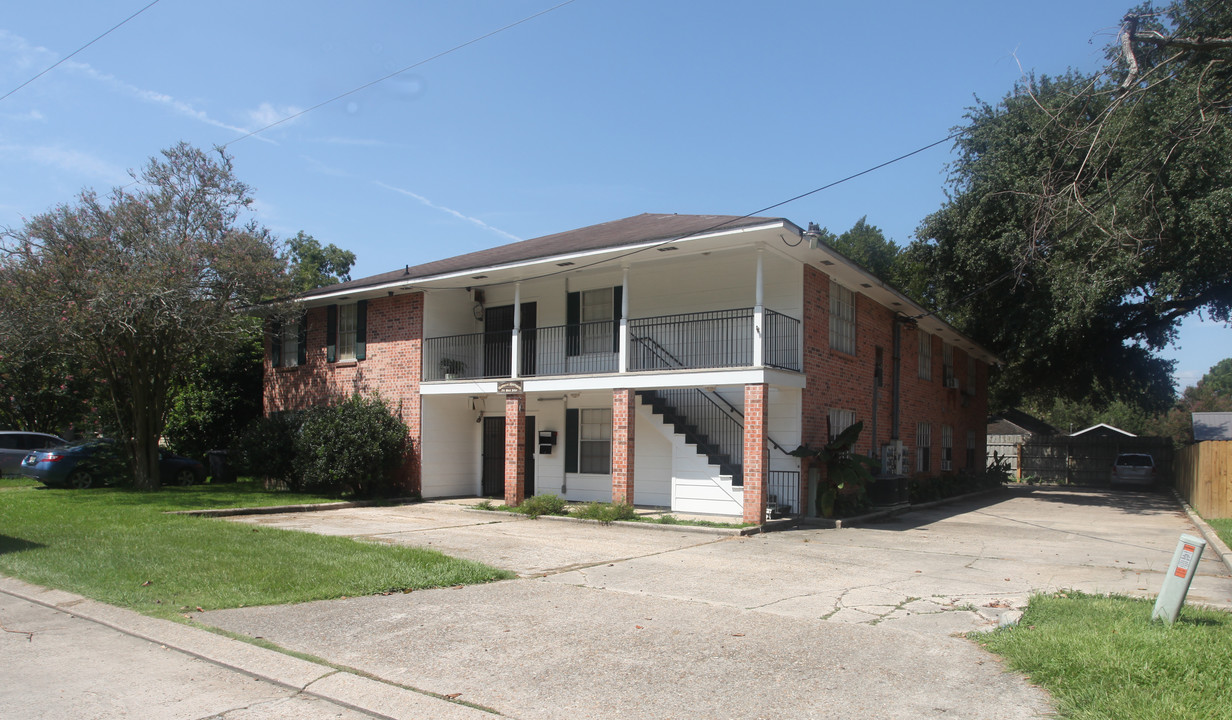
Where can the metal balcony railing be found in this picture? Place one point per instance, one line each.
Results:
(690, 341)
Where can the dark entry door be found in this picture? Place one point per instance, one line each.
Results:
(498, 340)
(493, 473)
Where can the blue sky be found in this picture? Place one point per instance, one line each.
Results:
(591, 112)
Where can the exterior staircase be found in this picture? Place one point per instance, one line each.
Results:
(704, 424)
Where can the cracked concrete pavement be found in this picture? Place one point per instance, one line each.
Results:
(620, 621)
(610, 620)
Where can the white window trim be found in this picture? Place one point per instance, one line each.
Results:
(596, 422)
(596, 339)
(840, 420)
(289, 343)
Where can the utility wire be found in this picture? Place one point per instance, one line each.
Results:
(395, 73)
(83, 47)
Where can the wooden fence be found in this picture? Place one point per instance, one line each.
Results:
(1204, 477)
(1078, 460)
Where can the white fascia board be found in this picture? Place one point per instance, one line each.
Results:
(638, 381)
(417, 283)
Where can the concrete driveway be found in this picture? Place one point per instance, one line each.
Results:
(615, 621)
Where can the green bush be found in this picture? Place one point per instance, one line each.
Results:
(266, 448)
(547, 504)
(355, 446)
(604, 512)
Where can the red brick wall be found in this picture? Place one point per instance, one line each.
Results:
(515, 449)
(842, 381)
(623, 420)
(392, 368)
(756, 453)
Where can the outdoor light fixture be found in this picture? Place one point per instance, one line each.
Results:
(813, 235)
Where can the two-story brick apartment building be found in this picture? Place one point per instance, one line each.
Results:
(666, 360)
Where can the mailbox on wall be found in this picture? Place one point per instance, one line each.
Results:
(547, 440)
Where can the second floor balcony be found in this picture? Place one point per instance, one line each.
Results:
(740, 338)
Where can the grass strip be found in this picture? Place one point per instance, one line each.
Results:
(1102, 657)
(120, 547)
(1223, 528)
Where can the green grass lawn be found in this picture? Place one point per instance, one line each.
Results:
(1101, 657)
(1224, 529)
(119, 546)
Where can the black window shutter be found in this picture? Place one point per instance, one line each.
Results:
(302, 346)
(571, 440)
(276, 344)
(617, 301)
(573, 319)
(331, 333)
(361, 329)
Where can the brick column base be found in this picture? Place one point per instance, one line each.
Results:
(623, 418)
(515, 449)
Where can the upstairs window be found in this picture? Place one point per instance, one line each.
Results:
(288, 347)
(842, 319)
(346, 331)
(947, 364)
(925, 367)
(598, 309)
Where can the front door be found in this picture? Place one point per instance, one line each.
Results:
(498, 340)
(493, 474)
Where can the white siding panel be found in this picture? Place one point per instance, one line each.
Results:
(450, 448)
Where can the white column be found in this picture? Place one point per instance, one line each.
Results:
(623, 359)
(517, 326)
(759, 315)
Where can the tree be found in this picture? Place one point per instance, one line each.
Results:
(142, 285)
(867, 245)
(215, 398)
(1212, 393)
(1087, 215)
(42, 392)
(313, 266)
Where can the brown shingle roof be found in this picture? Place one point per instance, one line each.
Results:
(642, 228)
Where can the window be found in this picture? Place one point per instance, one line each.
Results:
(842, 319)
(598, 309)
(290, 344)
(925, 369)
(947, 364)
(346, 332)
(924, 446)
(970, 449)
(947, 448)
(840, 420)
(595, 441)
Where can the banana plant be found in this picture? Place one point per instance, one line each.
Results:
(847, 473)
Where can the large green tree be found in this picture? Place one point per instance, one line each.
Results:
(142, 285)
(313, 266)
(1089, 214)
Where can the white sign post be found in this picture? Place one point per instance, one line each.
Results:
(1180, 576)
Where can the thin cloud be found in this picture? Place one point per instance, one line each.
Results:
(67, 159)
(26, 56)
(266, 114)
(451, 211)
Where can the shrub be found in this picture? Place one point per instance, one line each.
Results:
(266, 448)
(355, 446)
(605, 512)
(547, 504)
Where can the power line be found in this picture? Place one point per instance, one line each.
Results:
(83, 47)
(398, 72)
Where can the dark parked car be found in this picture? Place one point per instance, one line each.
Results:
(15, 445)
(94, 462)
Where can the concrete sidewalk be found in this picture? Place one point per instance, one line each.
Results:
(66, 656)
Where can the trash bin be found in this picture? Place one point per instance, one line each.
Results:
(220, 469)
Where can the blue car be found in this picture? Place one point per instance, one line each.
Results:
(90, 463)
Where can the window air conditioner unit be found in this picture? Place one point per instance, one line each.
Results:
(951, 383)
(947, 465)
